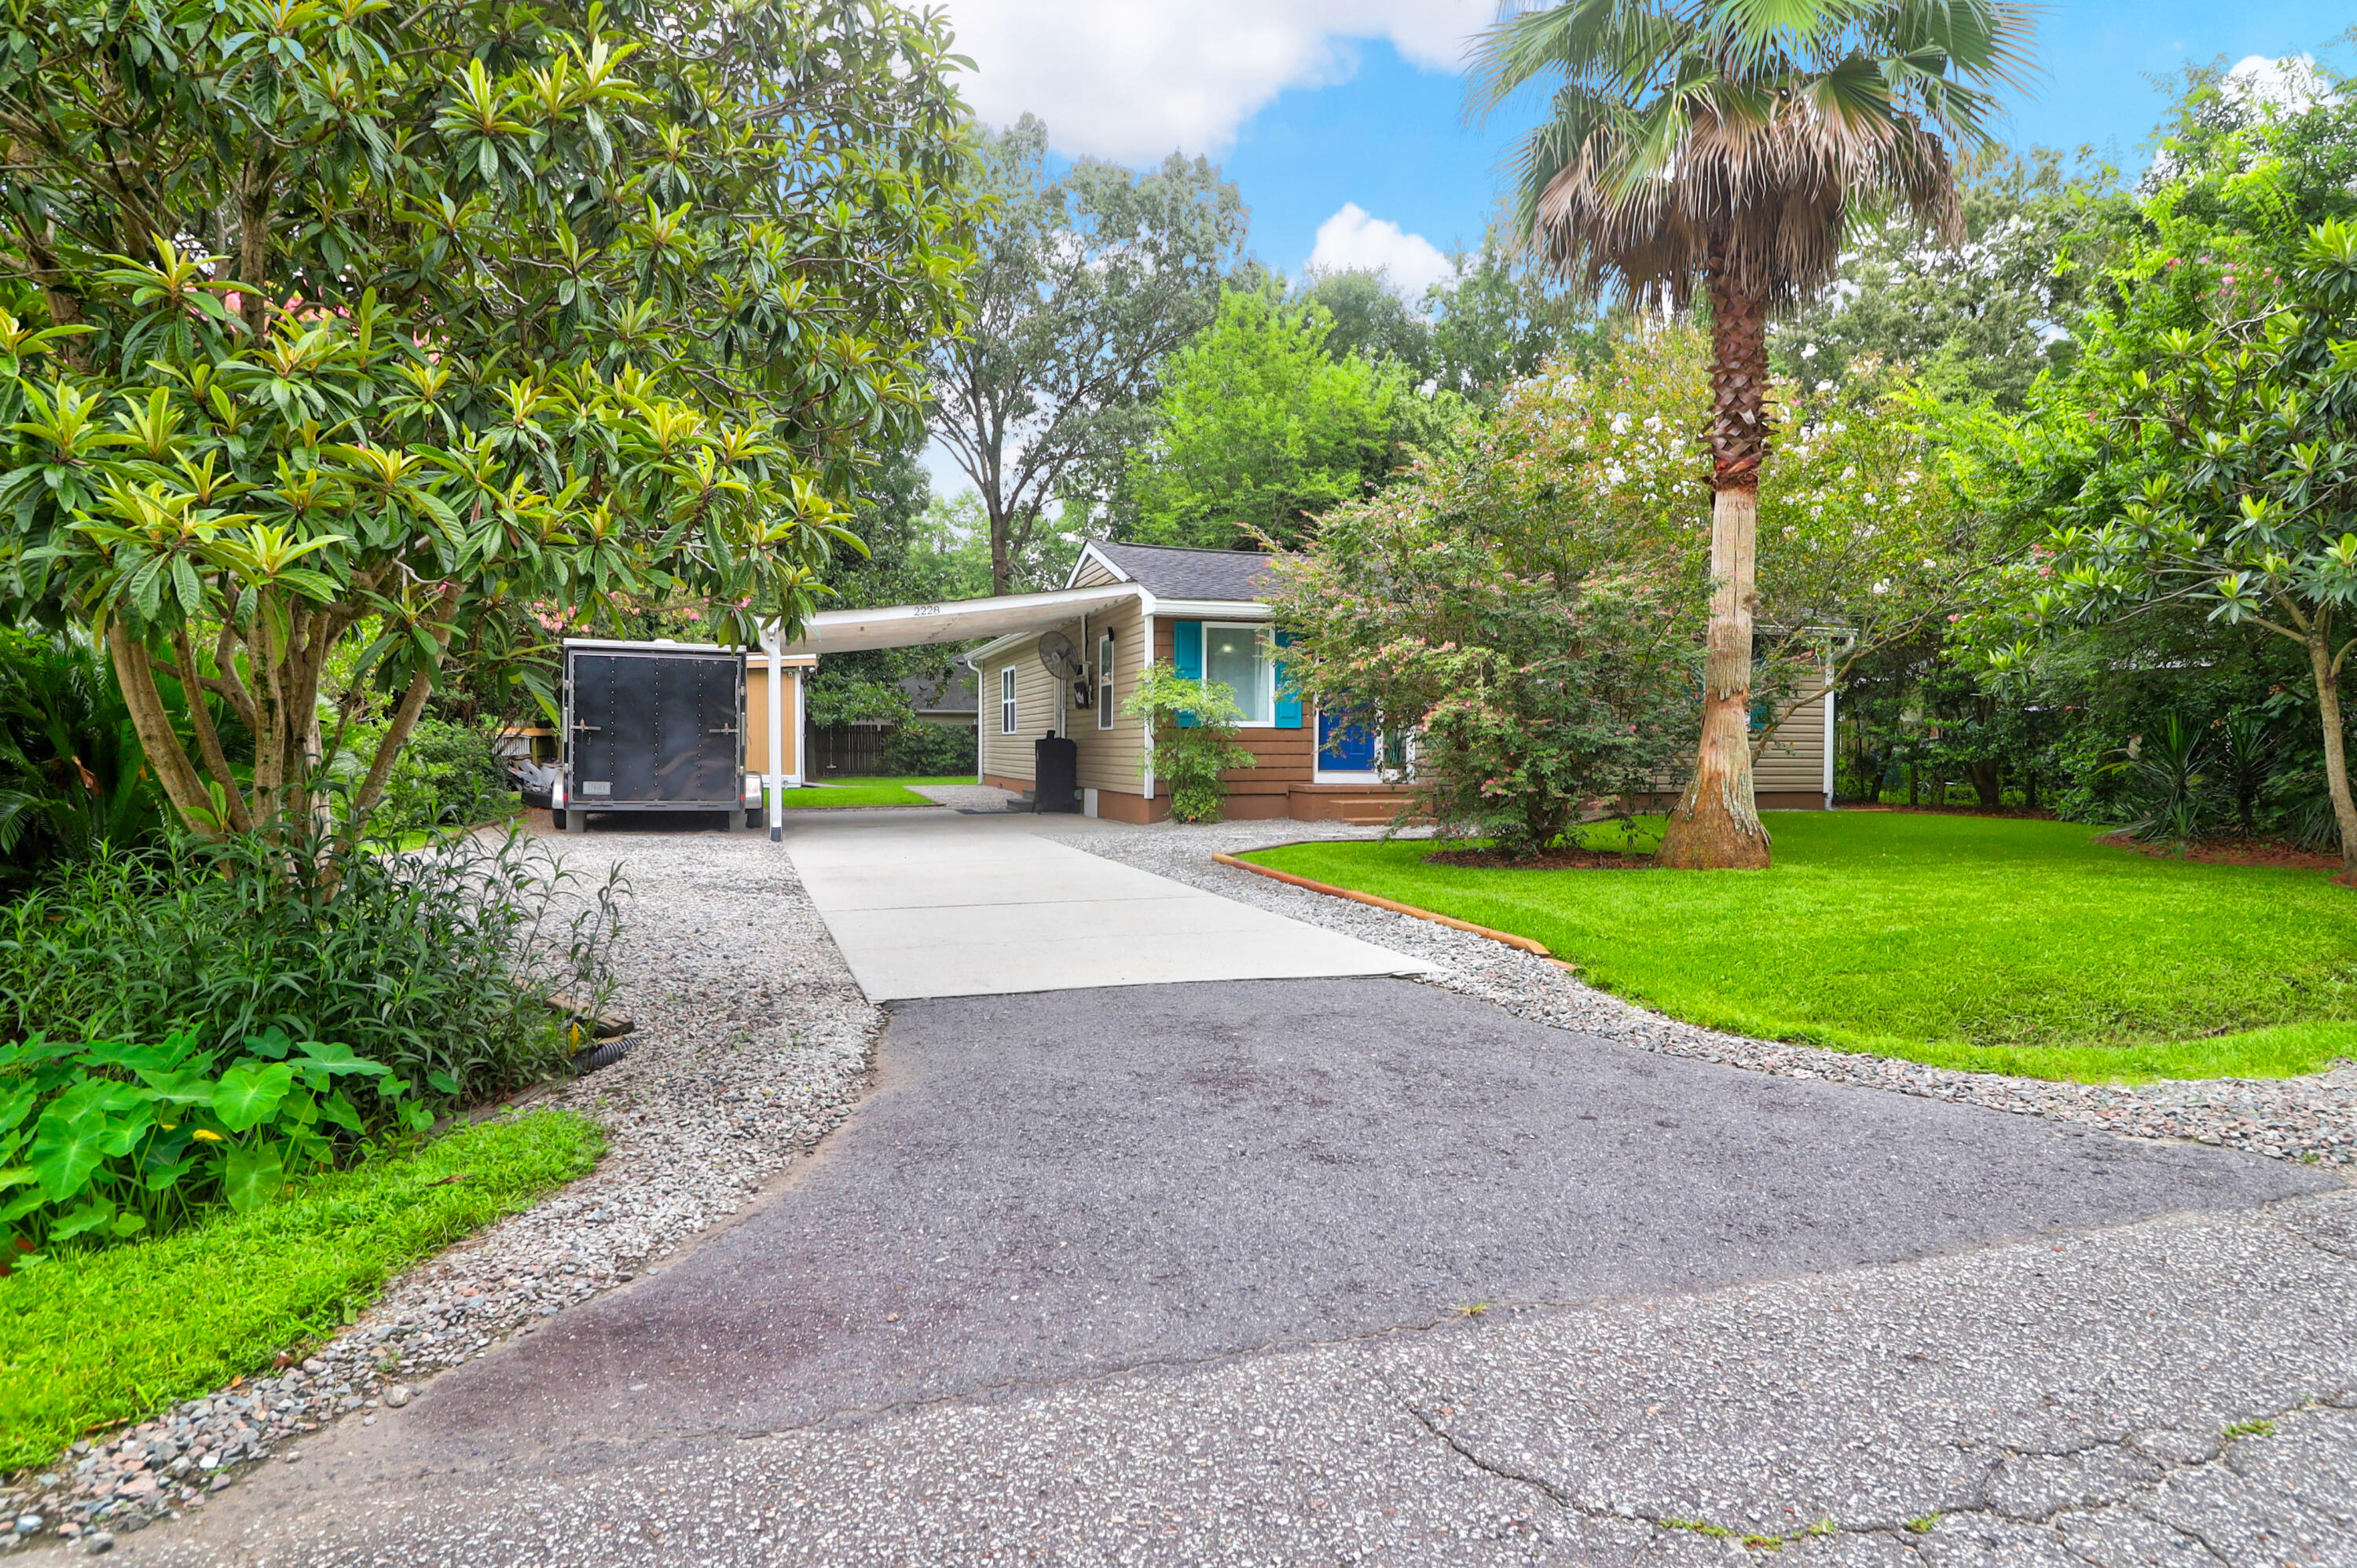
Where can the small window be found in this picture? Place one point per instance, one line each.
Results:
(1104, 681)
(1237, 656)
(1007, 701)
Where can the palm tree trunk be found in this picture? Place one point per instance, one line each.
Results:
(1716, 824)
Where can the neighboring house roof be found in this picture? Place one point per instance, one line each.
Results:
(1169, 571)
(949, 692)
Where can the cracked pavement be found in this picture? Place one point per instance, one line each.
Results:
(1363, 1271)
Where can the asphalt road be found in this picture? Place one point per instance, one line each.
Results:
(1323, 1271)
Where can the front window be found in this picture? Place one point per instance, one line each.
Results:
(1236, 657)
(1007, 701)
(1105, 681)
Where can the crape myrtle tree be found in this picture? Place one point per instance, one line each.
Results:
(443, 321)
(1719, 150)
(1081, 284)
(1542, 664)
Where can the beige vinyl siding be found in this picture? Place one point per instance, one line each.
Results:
(1036, 698)
(1093, 574)
(1794, 760)
(1109, 757)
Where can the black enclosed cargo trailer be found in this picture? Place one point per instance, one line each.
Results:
(652, 726)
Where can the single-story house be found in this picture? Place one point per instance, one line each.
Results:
(1201, 613)
(946, 698)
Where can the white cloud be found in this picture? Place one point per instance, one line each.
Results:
(1131, 79)
(1354, 240)
(2291, 83)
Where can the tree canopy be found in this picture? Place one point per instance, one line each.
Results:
(449, 320)
(1081, 285)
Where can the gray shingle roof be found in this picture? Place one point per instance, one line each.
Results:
(1168, 571)
(950, 691)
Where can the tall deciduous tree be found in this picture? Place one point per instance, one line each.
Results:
(1258, 431)
(1081, 285)
(1720, 149)
(425, 316)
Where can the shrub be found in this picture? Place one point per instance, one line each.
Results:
(1194, 727)
(923, 751)
(71, 778)
(446, 777)
(435, 964)
(1548, 672)
(114, 1140)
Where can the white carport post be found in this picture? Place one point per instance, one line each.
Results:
(774, 782)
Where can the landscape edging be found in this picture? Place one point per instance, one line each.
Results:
(1527, 944)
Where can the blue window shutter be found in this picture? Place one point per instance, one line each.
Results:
(1288, 703)
(1187, 656)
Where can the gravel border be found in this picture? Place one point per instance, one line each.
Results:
(2313, 1119)
(753, 1043)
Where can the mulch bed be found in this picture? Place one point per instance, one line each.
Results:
(2230, 851)
(1555, 860)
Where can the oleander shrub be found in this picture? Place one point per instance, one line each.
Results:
(436, 964)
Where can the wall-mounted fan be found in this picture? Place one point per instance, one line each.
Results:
(1060, 659)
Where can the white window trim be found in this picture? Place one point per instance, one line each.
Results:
(1262, 639)
(1108, 656)
(1008, 721)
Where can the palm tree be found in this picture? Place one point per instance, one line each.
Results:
(1723, 148)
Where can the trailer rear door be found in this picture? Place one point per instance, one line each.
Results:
(656, 728)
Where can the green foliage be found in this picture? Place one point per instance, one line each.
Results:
(1980, 319)
(1258, 431)
(70, 778)
(927, 750)
(1985, 944)
(1540, 648)
(447, 776)
(2197, 452)
(435, 964)
(443, 320)
(1502, 317)
(92, 1339)
(1081, 284)
(1193, 724)
(1366, 318)
(108, 1141)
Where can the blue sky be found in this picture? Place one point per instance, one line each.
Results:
(1346, 116)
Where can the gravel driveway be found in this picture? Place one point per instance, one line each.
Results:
(1297, 1296)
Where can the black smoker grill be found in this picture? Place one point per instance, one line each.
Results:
(652, 726)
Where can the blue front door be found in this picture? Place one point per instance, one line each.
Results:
(1344, 746)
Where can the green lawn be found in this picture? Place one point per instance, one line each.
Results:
(115, 1335)
(1996, 945)
(867, 792)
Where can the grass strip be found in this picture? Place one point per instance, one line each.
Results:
(865, 793)
(1990, 945)
(88, 1342)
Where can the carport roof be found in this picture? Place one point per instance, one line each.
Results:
(956, 620)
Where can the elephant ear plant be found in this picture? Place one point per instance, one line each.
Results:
(101, 1142)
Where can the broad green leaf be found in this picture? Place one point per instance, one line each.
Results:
(66, 1150)
(89, 1216)
(248, 1093)
(442, 1081)
(339, 1059)
(252, 1177)
(15, 1105)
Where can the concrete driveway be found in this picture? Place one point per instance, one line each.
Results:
(938, 904)
(1362, 1270)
